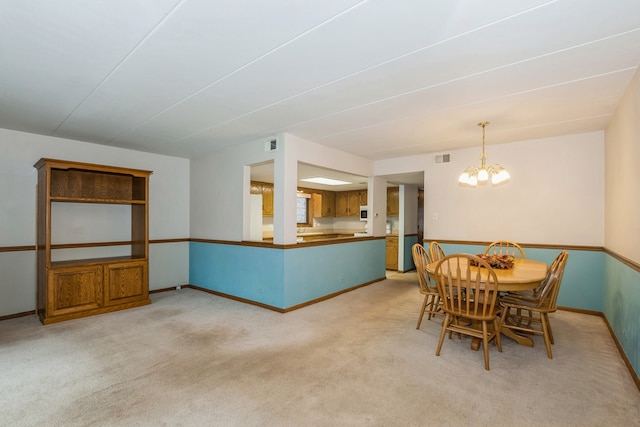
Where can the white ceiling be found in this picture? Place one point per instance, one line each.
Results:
(379, 79)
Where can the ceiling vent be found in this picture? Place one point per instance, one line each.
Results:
(271, 145)
(443, 158)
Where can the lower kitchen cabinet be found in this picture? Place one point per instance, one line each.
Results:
(392, 252)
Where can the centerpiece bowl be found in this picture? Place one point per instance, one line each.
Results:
(500, 262)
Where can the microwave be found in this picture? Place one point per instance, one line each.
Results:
(363, 213)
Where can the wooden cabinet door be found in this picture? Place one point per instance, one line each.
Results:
(354, 204)
(125, 282)
(363, 198)
(74, 289)
(342, 203)
(392, 253)
(267, 200)
(393, 201)
(328, 204)
(255, 188)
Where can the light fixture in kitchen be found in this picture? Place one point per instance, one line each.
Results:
(327, 181)
(473, 175)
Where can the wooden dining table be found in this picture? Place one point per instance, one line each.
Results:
(526, 274)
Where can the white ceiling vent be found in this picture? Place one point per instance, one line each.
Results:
(271, 145)
(443, 158)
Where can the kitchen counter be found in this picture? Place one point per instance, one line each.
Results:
(313, 236)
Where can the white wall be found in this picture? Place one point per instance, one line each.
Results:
(168, 209)
(622, 198)
(219, 184)
(555, 195)
(217, 190)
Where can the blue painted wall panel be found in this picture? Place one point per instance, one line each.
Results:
(583, 282)
(622, 306)
(315, 271)
(408, 264)
(285, 277)
(253, 273)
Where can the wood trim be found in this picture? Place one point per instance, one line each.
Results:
(290, 245)
(632, 371)
(528, 245)
(70, 165)
(278, 309)
(89, 245)
(157, 291)
(582, 311)
(235, 298)
(17, 248)
(625, 261)
(86, 245)
(179, 240)
(16, 315)
(623, 355)
(335, 294)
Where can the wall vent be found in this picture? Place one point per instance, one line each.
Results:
(443, 158)
(271, 145)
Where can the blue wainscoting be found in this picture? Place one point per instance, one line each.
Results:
(408, 243)
(583, 280)
(284, 278)
(622, 306)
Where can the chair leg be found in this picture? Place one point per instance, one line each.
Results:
(434, 306)
(424, 306)
(485, 344)
(496, 326)
(546, 319)
(545, 333)
(445, 324)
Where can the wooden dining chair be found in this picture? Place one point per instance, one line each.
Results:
(530, 313)
(505, 247)
(431, 302)
(436, 251)
(467, 295)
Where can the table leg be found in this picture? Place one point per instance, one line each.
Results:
(520, 339)
(509, 333)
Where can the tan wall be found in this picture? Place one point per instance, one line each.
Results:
(622, 179)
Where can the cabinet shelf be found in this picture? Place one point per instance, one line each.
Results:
(63, 199)
(94, 261)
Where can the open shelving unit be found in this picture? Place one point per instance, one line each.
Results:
(72, 288)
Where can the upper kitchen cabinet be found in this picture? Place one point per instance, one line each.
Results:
(266, 189)
(348, 202)
(324, 204)
(393, 201)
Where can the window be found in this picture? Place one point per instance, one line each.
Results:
(302, 209)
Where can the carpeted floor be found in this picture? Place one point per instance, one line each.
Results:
(194, 359)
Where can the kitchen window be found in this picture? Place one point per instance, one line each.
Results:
(303, 209)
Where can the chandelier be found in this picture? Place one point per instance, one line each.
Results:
(474, 175)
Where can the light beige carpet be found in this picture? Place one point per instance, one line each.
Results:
(194, 359)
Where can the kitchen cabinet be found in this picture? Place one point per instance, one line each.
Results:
(393, 201)
(392, 252)
(348, 203)
(72, 288)
(266, 190)
(324, 204)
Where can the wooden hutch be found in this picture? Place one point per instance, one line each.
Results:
(72, 288)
